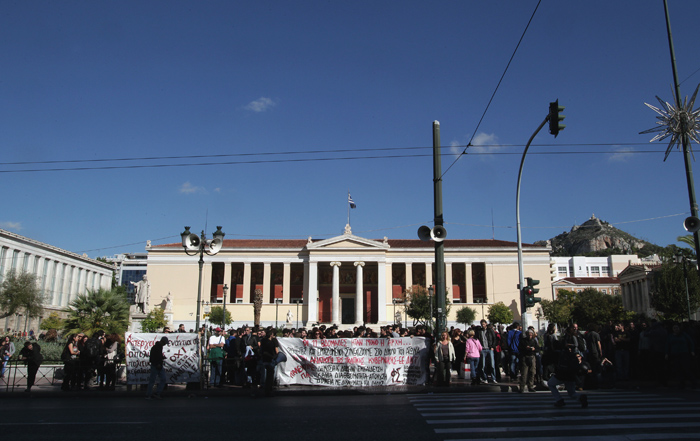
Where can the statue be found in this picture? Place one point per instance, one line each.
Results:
(290, 316)
(168, 303)
(143, 294)
(397, 318)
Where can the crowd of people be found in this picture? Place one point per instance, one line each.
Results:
(90, 361)
(600, 356)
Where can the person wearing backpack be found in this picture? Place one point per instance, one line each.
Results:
(513, 341)
(91, 355)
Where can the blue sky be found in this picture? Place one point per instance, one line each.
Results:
(274, 93)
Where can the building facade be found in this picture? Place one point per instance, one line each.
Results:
(345, 280)
(62, 275)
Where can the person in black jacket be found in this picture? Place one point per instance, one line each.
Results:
(157, 360)
(570, 365)
(31, 354)
(487, 362)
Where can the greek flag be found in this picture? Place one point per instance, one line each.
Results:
(351, 202)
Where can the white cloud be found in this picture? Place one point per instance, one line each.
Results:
(17, 226)
(622, 154)
(260, 105)
(188, 188)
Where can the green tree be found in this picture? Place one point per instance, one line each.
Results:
(418, 309)
(466, 315)
(499, 313)
(593, 306)
(20, 292)
(559, 310)
(155, 320)
(668, 292)
(216, 316)
(98, 310)
(53, 321)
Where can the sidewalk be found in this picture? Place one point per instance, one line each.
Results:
(180, 390)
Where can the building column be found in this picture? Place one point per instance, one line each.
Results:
(428, 274)
(311, 297)
(335, 304)
(246, 282)
(448, 282)
(359, 298)
(468, 284)
(381, 292)
(227, 281)
(409, 275)
(267, 282)
(286, 281)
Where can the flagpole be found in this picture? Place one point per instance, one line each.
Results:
(348, 202)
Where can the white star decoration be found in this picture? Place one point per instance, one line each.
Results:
(676, 122)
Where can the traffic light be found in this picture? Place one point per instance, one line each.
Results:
(530, 292)
(555, 118)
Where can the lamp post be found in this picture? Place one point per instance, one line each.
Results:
(224, 319)
(297, 302)
(196, 244)
(277, 310)
(431, 290)
(680, 257)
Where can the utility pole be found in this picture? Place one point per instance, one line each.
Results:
(440, 290)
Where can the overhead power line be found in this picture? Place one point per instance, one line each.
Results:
(486, 151)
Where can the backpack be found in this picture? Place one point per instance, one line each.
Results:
(92, 347)
(582, 348)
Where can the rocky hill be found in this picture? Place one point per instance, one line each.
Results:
(598, 238)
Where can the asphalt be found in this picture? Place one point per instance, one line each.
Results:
(45, 389)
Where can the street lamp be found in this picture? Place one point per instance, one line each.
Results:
(680, 257)
(196, 244)
(431, 290)
(225, 291)
(277, 310)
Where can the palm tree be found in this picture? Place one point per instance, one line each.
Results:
(103, 309)
(687, 239)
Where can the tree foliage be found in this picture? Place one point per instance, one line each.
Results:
(53, 321)
(103, 309)
(587, 306)
(154, 321)
(668, 292)
(418, 309)
(216, 316)
(20, 292)
(500, 313)
(466, 315)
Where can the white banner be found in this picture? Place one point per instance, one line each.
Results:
(181, 357)
(355, 362)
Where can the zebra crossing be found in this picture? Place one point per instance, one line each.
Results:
(611, 416)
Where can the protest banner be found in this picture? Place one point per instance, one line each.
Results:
(181, 357)
(354, 362)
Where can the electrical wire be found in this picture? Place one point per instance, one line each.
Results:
(495, 90)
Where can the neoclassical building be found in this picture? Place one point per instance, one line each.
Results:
(62, 275)
(344, 280)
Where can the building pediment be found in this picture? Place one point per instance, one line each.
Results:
(347, 242)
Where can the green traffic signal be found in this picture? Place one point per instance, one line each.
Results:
(555, 118)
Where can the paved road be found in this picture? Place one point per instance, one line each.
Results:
(611, 416)
(315, 418)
